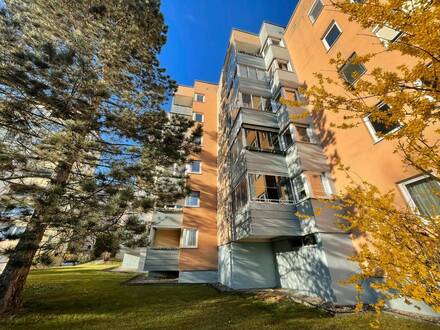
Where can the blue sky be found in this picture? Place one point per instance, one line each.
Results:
(198, 32)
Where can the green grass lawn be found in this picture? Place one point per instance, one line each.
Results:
(86, 297)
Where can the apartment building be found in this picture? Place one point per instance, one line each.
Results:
(267, 171)
(273, 178)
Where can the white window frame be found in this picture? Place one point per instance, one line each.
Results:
(372, 130)
(197, 239)
(326, 184)
(326, 45)
(306, 186)
(198, 113)
(189, 169)
(313, 20)
(198, 94)
(348, 62)
(198, 202)
(201, 141)
(407, 195)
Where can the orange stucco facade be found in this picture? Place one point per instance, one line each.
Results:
(203, 218)
(373, 162)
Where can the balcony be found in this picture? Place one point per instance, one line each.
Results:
(266, 220)
(181, 110)
(162, 259)
(167, 219)
(259, 162)
(284, 78)
(241, 115)
(276, 52)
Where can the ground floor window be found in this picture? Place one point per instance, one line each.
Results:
(189, 238)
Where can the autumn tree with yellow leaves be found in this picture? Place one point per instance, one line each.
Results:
(403, 245)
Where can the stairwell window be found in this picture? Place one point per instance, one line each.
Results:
(423, 195)
(199, 97)
(195, 167)
(379, 127)
(189, 238)
(315, 10)
(198, 117)
(352, 71)
(193, 199)
(331, 35)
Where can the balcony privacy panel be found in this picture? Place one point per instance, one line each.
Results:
(268, 220)
(312, 157)
(259, 118)
(167, 219)
(267, 163)
(181, 110)
(162, 260)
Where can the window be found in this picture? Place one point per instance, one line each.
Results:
(351, 72)
(326, 183)
(270, 188)
(198, 140)
(302, 133)
(251, 72)
(256, 102)
(236, 148)
(261, 140)
(423, 194)
(286, 137)
(332, 34)
(319, 183)
(240, 195)
(386, 35)
(199, 97)
(195, 166)
(193, 199)
(198, 117)
(300, 185)
(189, 238)
(315, 10)
(380, 127)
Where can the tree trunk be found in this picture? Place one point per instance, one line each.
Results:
(14, 276)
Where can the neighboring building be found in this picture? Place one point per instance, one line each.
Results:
(184, 236)
(276, 171)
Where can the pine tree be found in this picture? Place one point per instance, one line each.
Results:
(84, 138)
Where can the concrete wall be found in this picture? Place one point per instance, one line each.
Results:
(161, 260)
(337, 248)
(249, 265)
(130, 261)
(304, 270)
(198, 277)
